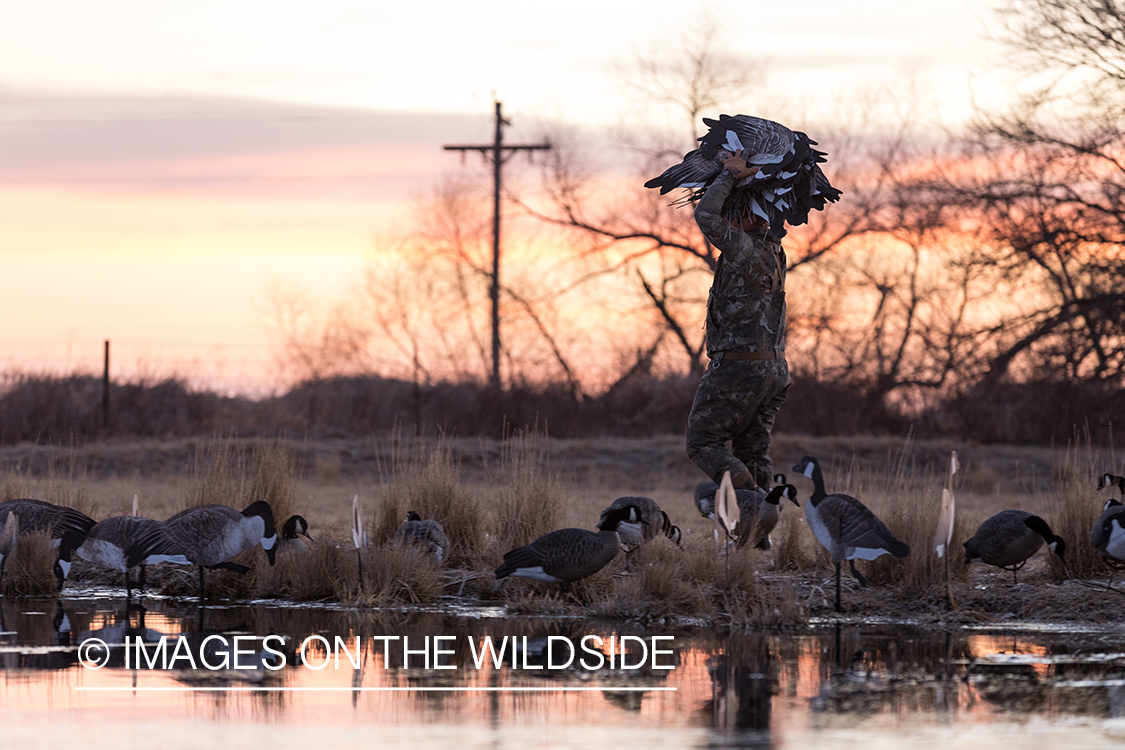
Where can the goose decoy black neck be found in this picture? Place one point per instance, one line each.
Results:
(787, 491)
(295, 525)
(68, 545)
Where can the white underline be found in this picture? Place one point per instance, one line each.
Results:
(188, 689)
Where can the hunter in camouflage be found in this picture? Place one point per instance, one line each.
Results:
(740, 393)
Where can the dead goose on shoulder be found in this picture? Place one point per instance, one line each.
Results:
(1008, 539)
(759, 512)
(208, 536)
(844, 526)
(426, 535)
(569, 555)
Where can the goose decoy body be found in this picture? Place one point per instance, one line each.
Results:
(788, 181)
(845, 526)
(37, 515)
(426, 535)
(569, 555)
(653, 521)
(1009, 538)
(759, 513)
(207, 536)
(107, 542)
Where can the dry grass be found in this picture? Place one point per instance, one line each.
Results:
(500, 494)
(30, 569)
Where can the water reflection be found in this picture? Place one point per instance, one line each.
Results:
(747, 689)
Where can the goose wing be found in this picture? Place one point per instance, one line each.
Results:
(37, 515)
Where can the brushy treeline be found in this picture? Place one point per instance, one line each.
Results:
(67, 408)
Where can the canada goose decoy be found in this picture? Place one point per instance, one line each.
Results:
(425, 535)
(653, 521)
(1107, 537)
(788, 181)
(37, 515)
(106, 545)
(759, 513)
(1009, 538)
(845, 526)
(569, 555)
(207, 536)
(294, 526)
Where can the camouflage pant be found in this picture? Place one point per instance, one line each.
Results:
(737, 400)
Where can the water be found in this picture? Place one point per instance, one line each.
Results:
(851, 686)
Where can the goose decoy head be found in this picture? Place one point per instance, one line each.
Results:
(806, 466)
(412, 515)
(1055, 543)
(295, 525)
(780, 478)
(625, 514)
(671, 530)
(1111, 480)
(787, 491)
(1111, 503)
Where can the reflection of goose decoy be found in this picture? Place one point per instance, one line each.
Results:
(759, 512)
(425, 535)
(106, 544)
(207, 536)
(653, 521)
(788, 181)
(1009, 538)
(845, 526)
(568, 555)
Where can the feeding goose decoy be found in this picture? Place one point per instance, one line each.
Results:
(759, 513)
(1009, 538)
(106, 545)
(207, 536)
(569, 555)
(788, 181)
(653, 521)
(845, 526)
(426, 535)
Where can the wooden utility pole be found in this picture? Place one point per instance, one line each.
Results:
(105, 389)
(497, 153)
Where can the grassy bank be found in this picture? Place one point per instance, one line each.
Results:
(493, 495)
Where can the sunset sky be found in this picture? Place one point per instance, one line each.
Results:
(163, 164)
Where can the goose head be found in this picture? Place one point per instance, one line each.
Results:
(295, 525)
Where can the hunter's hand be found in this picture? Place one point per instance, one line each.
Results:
(737, 165)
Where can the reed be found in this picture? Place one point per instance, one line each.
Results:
(526, 497)
(29, 570)
(1075, 505)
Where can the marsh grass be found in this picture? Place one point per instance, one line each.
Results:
(1074, 507)
(30, 569)
(424, 477)
(527, 498)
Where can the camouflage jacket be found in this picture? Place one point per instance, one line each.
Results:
(746, 306)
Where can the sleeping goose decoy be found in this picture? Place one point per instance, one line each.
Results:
(569, 555)
(1009, 538)
(207, 536)
(653, 521)
(425, 535)
(788, 181)
(760, 511)
(845, 526)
